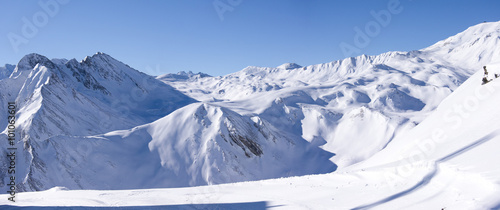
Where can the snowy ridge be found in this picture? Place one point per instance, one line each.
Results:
(253, 80)
(478, 45)
(288, 66)
(97, 95)
(88, 88)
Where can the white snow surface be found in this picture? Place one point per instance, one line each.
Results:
(401, 130)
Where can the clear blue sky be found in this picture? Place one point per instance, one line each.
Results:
(166, 36)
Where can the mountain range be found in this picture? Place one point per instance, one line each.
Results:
(100, 124)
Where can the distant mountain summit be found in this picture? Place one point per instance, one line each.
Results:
(288, 66)
(478, 45)
(182, 76)
(6, 71)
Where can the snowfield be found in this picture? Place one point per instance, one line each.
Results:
(400, 130)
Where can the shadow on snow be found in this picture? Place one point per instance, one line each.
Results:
(236, 206)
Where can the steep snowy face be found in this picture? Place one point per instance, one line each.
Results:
(477, 46)
(198, 144)
(223, 146)
(29, 62)
(70, 98)
(468, 114)
(447, 159)
(96, 95)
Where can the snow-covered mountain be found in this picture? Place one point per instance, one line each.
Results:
(196, 145)
(96, 95)
(85, 124)
(182, 76)
(478, 45)
(445, 162)
(356, 106)
(6, 71)
(71, 98)
(63, 106)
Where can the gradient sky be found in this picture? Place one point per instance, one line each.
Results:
(168, 36)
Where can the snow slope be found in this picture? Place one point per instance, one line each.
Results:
(53, 98)
(322, 102)
(454, 148)
(477, 46)
(198, 144)
(446, 162)
(394, 85)
(71, 98)
(63, 106)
